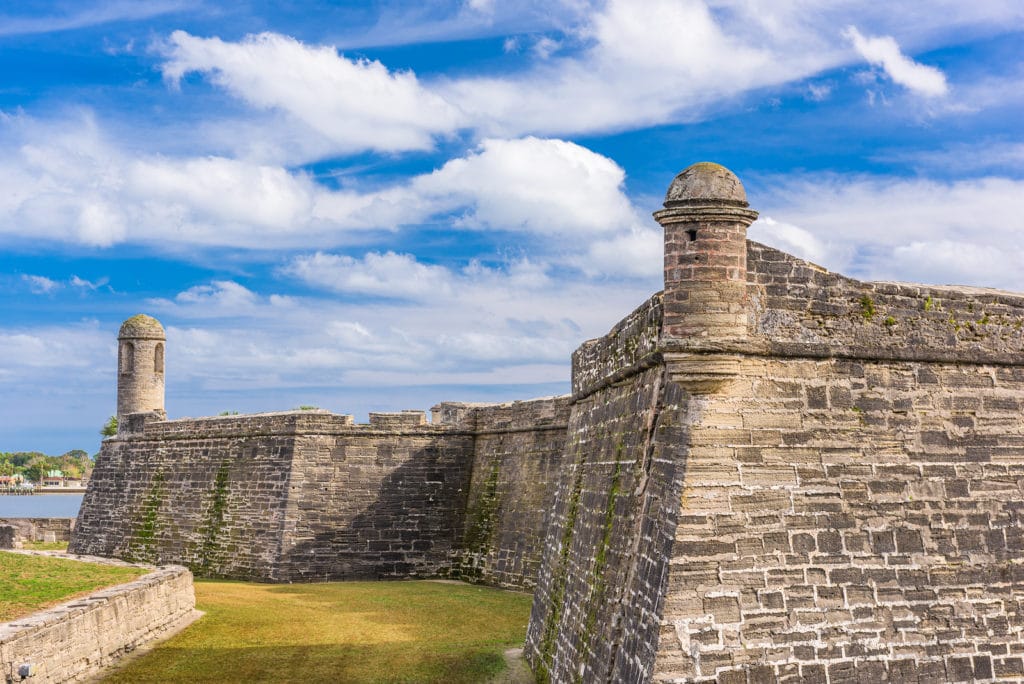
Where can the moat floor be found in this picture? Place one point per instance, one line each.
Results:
(417, 631)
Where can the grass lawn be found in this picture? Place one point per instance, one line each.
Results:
(30, 583)
(339, 632)
(44, 546)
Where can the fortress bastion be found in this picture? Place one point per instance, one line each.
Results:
(766, 472)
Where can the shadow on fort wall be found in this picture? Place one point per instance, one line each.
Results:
(412, 529)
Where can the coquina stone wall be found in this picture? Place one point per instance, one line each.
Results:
(766, 472)
(518, 451)
(40, 529)
(310, 495)
(281, 497)
(77, 640)
(599, 592)
(208, 494)
(842, 469)
(852, 507)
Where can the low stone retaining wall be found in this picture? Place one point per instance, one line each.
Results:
(76, 640)
(40, 529)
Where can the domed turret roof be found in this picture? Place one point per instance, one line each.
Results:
(142, 326)
(706, 182)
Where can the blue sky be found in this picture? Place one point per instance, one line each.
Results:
(364, 206)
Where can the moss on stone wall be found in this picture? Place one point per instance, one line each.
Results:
(142, 544)
(557, 601)
(482, 520)
(209, 559)
(598, 582)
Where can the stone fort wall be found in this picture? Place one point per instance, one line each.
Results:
(307, 496)
(599, 592)
(847, 508)
(766, 472)
(852, 503)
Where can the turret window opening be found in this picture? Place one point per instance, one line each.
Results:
(127, 357)
(158, 358)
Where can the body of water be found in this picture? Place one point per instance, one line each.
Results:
(40, 506)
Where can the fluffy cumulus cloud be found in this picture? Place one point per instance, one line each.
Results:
(884, 52)
(534, 185)
(79, 187)
(636, 68)
(789, 238)
(70, 184)
(638, 252)
(613, 65)
(673, 59)
(53, 353)
(356, 104)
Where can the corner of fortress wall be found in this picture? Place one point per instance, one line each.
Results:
(800, 477)
(848, 506)
(766, 472)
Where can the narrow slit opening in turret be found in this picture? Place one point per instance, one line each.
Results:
(692, 234)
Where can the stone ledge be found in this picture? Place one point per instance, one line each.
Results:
(76, 640)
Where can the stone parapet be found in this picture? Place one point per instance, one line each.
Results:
(799, 309)
(40, 529)
(630, 347)
(78, 639)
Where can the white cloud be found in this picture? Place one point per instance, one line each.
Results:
(545, 47)
(226, 193)
(223, 294)
(902, 229)
(945, 261)
(987, 156)
(788, 238)
(84, 284)
(402, 276)
(638, 252)
(355, 104)
(673, 57)
(41, 284)
(676, 58)
(53, 354)
(884, 52)
(818, 92)
(594, 67)
(387, 275)
(73, 185)
(482, 6)
(222, 299)
(541, 186)
(406, 23)
(512, 324)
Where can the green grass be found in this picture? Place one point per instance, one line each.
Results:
(44, 546)
(31, 583)
(339, 632)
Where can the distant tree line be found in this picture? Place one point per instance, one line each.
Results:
(33, 465)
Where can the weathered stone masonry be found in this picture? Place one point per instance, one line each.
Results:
(844, 476)
(306, 496)
(767, 472)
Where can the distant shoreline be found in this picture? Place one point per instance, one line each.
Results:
(38, 491)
